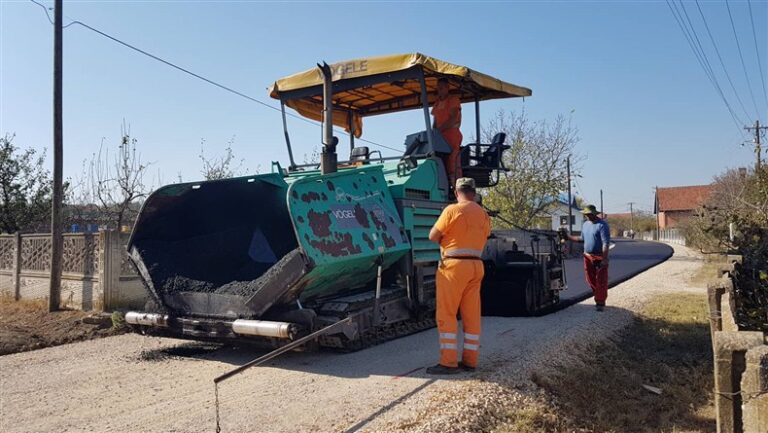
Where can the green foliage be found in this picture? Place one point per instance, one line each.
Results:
(641, 222)
(537, 162)
(25, 188)
(118, 320)
(739, 201)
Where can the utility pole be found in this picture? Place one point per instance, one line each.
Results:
(758, 149)
(631, 217)
(57, 241)
(570, 200)
(656, 209)
(602, 212)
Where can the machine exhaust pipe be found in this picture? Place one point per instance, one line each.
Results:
(264, 328)
(146, 319)
(328, 157)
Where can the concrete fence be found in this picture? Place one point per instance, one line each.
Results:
(670, 236)
(96, 274)
(741, 367)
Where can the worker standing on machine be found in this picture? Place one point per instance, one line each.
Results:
(447, 114)
(461, 231)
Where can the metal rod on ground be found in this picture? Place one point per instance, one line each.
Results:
(57, 242)
(273, 354)
(376, 305)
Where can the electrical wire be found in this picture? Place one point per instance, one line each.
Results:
(757, 51)
(720, 58)
(200, 77)
(712, 79)
(741, 56)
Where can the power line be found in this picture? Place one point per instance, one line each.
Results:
(743, 65)
(695, 37)
(200, 77)
(757, 51)
(720, 58)
(712, 79)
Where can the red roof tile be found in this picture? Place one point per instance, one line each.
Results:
(682, 198)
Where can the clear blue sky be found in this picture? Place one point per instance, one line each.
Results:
(646, 112)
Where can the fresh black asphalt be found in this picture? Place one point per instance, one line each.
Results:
(627, 259)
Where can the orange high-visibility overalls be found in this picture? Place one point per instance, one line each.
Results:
(465, 228)
(442, 112)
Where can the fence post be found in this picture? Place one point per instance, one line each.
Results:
(754, 388)
(17, 267)
(109, 265)
(730, 363)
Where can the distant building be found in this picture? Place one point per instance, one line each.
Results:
(674, 205)
(556, 215)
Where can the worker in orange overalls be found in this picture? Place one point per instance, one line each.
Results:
(447, 114)
(461, 231)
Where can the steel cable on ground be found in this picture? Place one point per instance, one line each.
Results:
(720, 58)
(678, 18)
(757, 53)
(741, 56)
(200, 77)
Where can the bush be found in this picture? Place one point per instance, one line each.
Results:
(739, 201)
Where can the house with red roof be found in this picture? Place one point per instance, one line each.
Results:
(675, 204)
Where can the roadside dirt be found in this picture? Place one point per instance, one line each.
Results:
(26, 325)
(131, 383)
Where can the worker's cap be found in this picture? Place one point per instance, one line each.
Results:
(589, 209)
(465, 183)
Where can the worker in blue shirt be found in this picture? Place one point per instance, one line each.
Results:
(597, 238)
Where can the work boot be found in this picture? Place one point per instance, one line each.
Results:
(600, 307)
(467, 368)
(441, 369)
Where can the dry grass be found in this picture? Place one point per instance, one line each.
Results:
(709, 272)
(668, 347)
(7, 301)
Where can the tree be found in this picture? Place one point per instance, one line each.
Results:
(221, 167)
(537, 163)
(25, 188)
(110, 187)
(740, 200)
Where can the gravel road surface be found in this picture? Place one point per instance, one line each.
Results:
(132, 383)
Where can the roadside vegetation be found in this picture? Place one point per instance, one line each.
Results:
(539, 151)
(655, 376)
(735, 220)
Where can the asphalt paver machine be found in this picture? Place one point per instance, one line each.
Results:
(270, 258)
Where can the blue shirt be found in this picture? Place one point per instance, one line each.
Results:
(595, 235)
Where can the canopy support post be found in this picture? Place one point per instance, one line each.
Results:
(287, 137)
(351, 124)
(477, 119)
(425, 104)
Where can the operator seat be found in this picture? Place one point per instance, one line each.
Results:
(479, 161)
(360, 153)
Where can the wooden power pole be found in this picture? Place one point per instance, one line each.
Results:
(57, 241)
(758, 149)
(570, 200)
(602, 212)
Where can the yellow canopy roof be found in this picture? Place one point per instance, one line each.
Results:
(385, 84)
